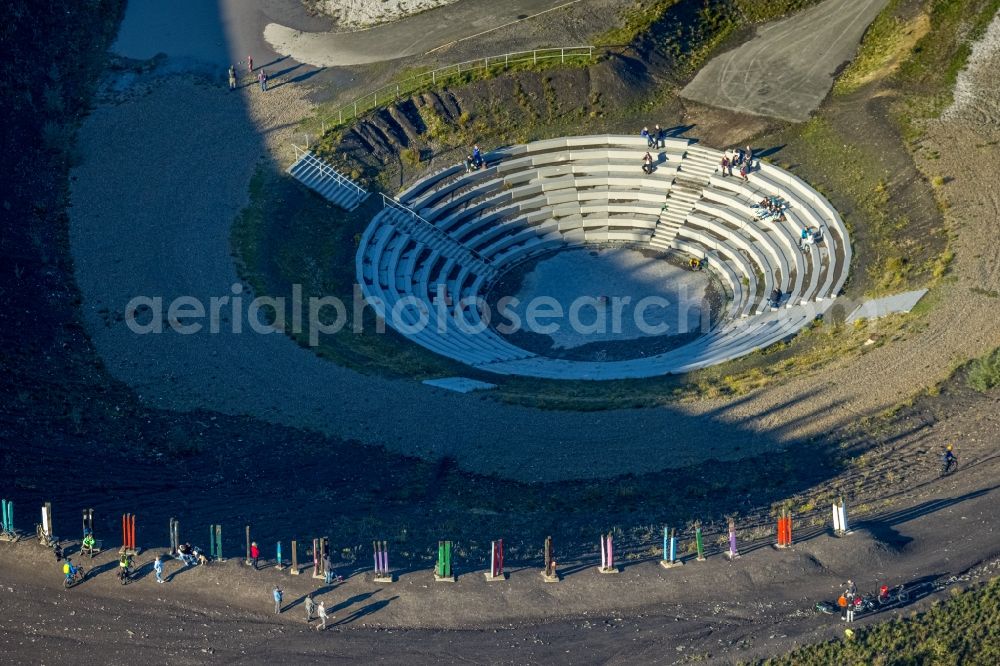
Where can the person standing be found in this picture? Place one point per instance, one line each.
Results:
(250, 63)
(661, 136)
(158, 568)
(310, 608)
(321, 611)
(849, 593)
(254, 554)
(327, 568)
(276, 593)
(262, 77)
(725, 165)
(232, 77)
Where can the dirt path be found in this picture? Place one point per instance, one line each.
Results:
(725, 611)
(788, 68)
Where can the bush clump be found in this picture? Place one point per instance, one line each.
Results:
(984, 373)
(963, 630)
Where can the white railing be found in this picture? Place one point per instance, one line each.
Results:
(328, 170)
(482, 262)
(393, 91)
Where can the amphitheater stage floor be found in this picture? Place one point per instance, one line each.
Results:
(606, 294)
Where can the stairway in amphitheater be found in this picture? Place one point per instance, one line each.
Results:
(452, 234)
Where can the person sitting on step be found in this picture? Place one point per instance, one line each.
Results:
(647, 164)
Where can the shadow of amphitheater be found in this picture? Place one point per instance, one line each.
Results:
(208, 468)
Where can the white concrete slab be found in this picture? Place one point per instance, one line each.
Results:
(459, 384)
(881, 307)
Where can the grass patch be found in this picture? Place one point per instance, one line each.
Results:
(813, 348)
(965, 629)
(288, 236)
(851, 170)
(414, 81)
(930, 71)
(984, 373)
(886, 43)
(634, 22)
(766, 10)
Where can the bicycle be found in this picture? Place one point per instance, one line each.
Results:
(75, 579)
(948, 466)
(897, 595)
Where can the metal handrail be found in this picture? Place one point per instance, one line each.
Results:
(389, 202)
(329, 170)
(394, 91)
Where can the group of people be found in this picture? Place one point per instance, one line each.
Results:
(655, 139)
(475, 161)
(738, 157)
(771, 207)
(261, 75)
(313, 610)
(191, 555)
(849, 602)
(809, 236)
(774, 298)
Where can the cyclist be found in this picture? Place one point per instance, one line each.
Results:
(124, 565)
(69, 569)
(949, 458)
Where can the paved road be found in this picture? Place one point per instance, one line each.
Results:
(788, 68)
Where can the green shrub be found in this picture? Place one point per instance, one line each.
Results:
(965, 629)
(410, 156)
(984, 373)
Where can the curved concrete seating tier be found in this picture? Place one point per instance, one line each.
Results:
(431, 259)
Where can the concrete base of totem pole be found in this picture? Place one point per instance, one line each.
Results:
(666, 564)
(549, 578)
(445, 579)
(385, 578)
(490, 577)
(730, 555)
(781, 546)
(842, 533)
(12, 537)
(294, 571)
(134, 552)
(608, 570)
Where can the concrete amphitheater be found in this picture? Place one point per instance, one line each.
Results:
(453, 233)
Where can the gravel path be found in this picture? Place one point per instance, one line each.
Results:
(166, 170)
